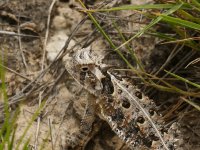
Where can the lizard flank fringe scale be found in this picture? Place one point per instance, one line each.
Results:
(130, 114)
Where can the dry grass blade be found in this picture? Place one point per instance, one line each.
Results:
(9, 69)
(16, 34)
(191, 103)
(193, 62)
(47, 33)
(21, 49)
(51, 134)
(182, 40)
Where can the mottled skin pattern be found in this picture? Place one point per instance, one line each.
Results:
(131, 114)
(80, 139)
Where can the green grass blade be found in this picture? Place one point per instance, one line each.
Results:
(140, 7)
(188, 16)
(26, 145)
(183, 79)
(13, 127)
(6, 126)
(181, 22)
(1, 146)
(11, 144)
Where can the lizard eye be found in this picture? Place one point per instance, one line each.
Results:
(85, 69)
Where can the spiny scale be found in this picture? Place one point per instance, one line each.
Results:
(130, 114)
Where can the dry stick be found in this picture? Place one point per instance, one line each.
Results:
(182, 40)
(47, 33)
(21, 49)
(74, 33)
(16, 34)
(13, 71)
(77, 27)
(193, 62)
(82, 33)
(50, 127)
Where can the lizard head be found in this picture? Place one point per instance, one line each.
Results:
(84, 67)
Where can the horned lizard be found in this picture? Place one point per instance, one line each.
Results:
(130, 114)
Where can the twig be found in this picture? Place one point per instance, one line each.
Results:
(193, 62)
(38, 123)
(21, 49)
(50, 127)
(16, 34)
(191, 103)
(182, 40)
(9, 69)
(47, 33)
